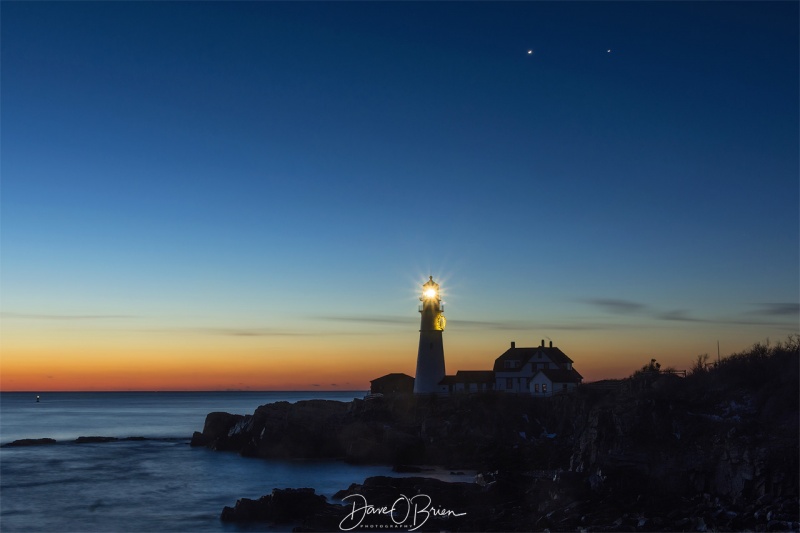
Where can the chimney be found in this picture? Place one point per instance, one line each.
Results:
(551, 344)
(542, 343)
(513, 344)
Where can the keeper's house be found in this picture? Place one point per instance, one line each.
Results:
(540, 371)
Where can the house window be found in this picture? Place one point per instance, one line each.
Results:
(544, 388)
(509, 383)
(536, 388)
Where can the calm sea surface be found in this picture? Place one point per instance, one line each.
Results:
(154, 485)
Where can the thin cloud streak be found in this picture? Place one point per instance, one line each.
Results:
(389, 320)
(488, 324)
(524, 326)
(778, 309)
(41, 316)
(578, 327)
(461, 325)
(244, 332)
(679, 315)
(630, 308)
(617, 306)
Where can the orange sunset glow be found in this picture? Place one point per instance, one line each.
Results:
(263, 214)
(40, 356)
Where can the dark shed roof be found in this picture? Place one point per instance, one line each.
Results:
(391, 377)
(562, 376)
(523, 355)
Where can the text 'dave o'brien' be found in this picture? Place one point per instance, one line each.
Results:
(409, 513)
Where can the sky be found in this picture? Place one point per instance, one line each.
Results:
(207, 195)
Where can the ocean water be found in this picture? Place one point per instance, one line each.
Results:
(153, 485)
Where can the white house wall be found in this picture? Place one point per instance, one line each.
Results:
(540, 379)
(519, 381)
(552, 388)
(521, 378)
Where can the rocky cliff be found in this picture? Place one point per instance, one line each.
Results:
(719, 448)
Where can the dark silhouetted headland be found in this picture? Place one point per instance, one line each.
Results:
(717, 449)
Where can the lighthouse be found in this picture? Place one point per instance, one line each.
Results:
(430, 357)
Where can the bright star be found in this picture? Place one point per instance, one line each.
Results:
(530, 52)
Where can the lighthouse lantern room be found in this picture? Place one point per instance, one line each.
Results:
(430, 357)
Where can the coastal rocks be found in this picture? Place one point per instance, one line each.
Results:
(381, 502)
(659, 441)
(310, 429)
(712, 451)
(29, 442)
(94, 439)
(678, 443)
(317, 429)
(281, 506)
(79, 440)
(215, 431)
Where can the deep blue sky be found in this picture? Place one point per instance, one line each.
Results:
(285, 167)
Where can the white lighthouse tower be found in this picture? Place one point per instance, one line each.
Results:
(430, 357)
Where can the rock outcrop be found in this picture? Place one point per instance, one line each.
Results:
(386, 503)
(468, 432)
(715, 450)
(281, 506)
(29, 442)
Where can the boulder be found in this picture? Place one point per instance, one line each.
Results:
(87, 440)
(215, 431)
(281, 506)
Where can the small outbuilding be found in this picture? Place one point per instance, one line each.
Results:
(395, 383)
(469, 381)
